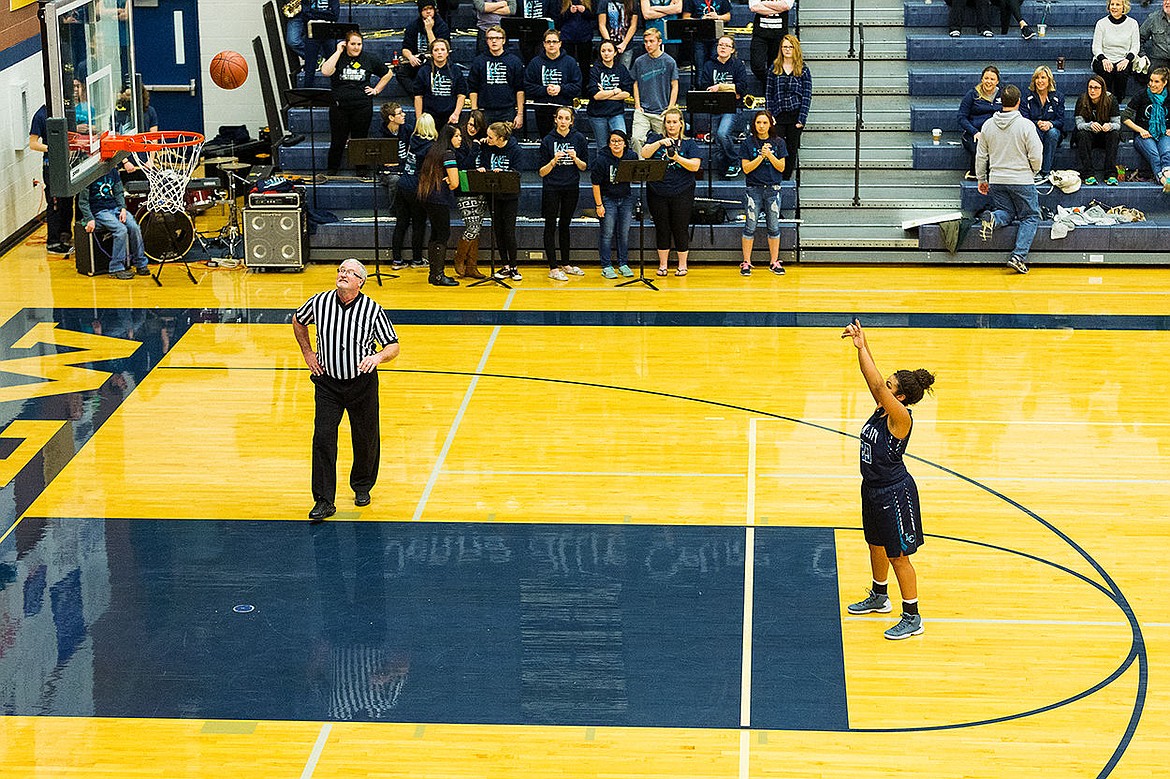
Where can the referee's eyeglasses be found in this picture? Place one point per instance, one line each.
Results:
(349, 272)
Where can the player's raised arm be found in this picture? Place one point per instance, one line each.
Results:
(883, 390)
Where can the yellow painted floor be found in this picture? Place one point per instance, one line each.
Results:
(1038, 444)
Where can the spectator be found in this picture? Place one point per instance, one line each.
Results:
(1045, 107)
(609, 86)
(58, 210)
(500, 152)
(103, 204)
(349, 69)
(655, 76)
(1006, 160)
(496, 83)
(422, 31)
(438, 178)
(551, 79)
(408, 212)
(472, 207)
(1155, 37)
(529, 40)
(671, 198)
(1146, 116)
(762, 153)
(726, 73)
(769, 26)
(487, 15)
(615, 204)
(395, 126)
(978, 105)
(1098, 125)
(1009, 10)
(704, 51)
(564, 153)
(789, 96)
(618, 22)
(1116, 41)
(575, 20)
(981, 9)
(297, 34)
(442, 88)
(655, 14)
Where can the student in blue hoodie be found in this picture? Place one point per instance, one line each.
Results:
(552, 79)
(496, 82)
(577, 22)
(979, 105)
(501, 152)
(727, 73)
(422, 31)
(614, 203)
(1045, 107)
(442, 88)
(564, 153)
(610, 83)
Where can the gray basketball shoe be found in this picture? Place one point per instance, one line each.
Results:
(873, 603)
(910, 625)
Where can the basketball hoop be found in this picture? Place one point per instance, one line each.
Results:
(168, 159)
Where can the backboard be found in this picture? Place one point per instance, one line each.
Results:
(89, 76)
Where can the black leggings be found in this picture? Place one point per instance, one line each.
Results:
(504, 228)
(786, 128)
(345, 122)
(1086, 141)
(557, 204)
(982, 9)
(439, 215)
(416, 217)
(1116, 81)
(672, 219)
(762, 54)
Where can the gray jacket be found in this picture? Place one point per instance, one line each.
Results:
(1155, 36)
(1009, 150)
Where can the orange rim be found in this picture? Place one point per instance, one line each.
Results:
(145, 142)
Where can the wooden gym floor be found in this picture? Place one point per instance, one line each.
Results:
(613, 534)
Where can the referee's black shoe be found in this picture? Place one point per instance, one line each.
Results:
(361, 499)
(321, 510)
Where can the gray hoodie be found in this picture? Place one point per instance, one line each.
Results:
(1009, 150)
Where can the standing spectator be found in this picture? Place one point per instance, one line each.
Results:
(58, 210)
(487, 15)
(564, 153)
(574, 18)
(297, 35)
(981, 10)
(103, 204)
(614, 203)
(1098, 126)
(395, 126)
(422, 31)
(671, 198)
(978, 105)
(1006, 161)
(407, 210)
(1155, 37)
(496, 82)
(1116, 41)
(704, 51)
(438, 178)
(1010, 10)
(726, 73)
(617, 21)
(442, 88)
(655, 77)
(528, 40)
(769, 26)
(1045, 107)
(551, 79)
(789, 96)
(655, 14)
(350, 69)
(609, 86)
(762, 153)
(1146, 116)
(345, 377)
(501, 152)
(472, 207)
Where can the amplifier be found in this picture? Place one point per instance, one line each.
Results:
(274, 200)
(275, 237)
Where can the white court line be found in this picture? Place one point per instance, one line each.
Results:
(745, 747)
(963, 422)
(966, 621)
(438, 467)
(315, 755)
(632, 474)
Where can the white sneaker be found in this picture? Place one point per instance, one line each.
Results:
(556, 274)
(572, 270)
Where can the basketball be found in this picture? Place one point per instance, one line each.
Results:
(229, 69)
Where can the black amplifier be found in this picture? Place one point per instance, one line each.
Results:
(274, 200)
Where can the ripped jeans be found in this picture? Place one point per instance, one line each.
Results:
(762, 200)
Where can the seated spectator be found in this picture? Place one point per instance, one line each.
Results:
(1098, 126)
(1009, 10)
(1116, 40)
(618, 22)
(1045, 107)
(704, 51)
(977, 107)
(981, 10)
(726, 73)
(1155, 37)
(1146, 116)
(103, 204)
(576, 21)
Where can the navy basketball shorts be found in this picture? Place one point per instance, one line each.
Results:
(891, 517)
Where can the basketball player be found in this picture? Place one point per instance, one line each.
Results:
(890, 513)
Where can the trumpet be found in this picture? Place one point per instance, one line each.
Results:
(751, 102)
(291, 8)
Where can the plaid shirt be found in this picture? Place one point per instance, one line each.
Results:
(786, 93)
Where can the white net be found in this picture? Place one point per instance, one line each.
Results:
(168, 159)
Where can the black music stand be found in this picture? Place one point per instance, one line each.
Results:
(641, 171)
(712, 104)
(492, 183)
(377, 153)
(330, 31)
(689, 31)
(310, 98)
(526, 32)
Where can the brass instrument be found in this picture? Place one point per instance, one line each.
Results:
(291, 8)
(751, 102)
(580, 102)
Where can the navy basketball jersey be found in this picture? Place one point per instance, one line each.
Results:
(881, 452)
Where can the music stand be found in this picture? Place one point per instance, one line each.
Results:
(310, 98)
(641, 171)
(376, 153)
(689, 31)
(527, 32)
(330, 31)
(712, 104)
(492, 183)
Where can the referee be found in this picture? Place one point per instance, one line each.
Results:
(349, 324)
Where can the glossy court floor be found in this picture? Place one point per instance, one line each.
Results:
(613, 535)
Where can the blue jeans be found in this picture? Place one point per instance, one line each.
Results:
(294, 35)
(127, 240)
(1017, 202)
(761, 200)
(730, 126)
(619, 213)
(1156, 150)
(1050, 139)
(603, 124)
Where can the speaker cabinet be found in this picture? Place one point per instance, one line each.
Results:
(92, 251)
(275, 238)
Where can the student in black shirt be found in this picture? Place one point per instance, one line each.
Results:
(614, 203)
(349, 69)
(671, 198)
(501, 152)
(564, 154)
(437, 181)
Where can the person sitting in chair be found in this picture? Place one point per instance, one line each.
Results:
(103, 204)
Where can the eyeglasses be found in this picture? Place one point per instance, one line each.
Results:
(349, 272)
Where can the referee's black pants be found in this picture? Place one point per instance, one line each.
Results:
(359, 398)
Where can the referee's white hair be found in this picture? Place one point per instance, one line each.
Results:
(357, 265)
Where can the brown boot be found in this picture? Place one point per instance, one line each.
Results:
(460, 255)
(471, 262)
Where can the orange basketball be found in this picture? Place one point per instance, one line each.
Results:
(229, 69)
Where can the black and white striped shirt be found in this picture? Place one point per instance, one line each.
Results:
(346, 333)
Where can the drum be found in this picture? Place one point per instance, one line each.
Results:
(166, 236)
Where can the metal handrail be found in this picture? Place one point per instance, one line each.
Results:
(858, 119)
(852, 22)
